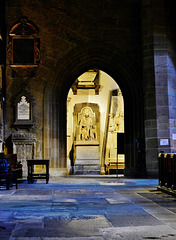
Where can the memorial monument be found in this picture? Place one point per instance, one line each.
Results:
(86, 122)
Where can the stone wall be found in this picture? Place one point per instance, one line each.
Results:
(130, 40)
(63, 28)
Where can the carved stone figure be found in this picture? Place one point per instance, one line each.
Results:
(86, 126)
(112, 125)
(119, 121)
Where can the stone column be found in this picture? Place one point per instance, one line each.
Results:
(1, 114)
(171, 72)
(150, 117)
(159, 73)
(2, 70)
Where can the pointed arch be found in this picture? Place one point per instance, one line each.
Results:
(119, 67)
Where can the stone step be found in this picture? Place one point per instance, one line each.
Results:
(87, 172)
(87, 169)
(87, 162)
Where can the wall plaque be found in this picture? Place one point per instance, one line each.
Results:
(23, 109)
(174, 136)
(164, 142)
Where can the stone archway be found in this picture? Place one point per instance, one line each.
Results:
(74, 64)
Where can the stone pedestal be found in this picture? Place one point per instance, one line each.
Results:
(87, 160)
(24, 145)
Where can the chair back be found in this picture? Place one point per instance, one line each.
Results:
(4, 168)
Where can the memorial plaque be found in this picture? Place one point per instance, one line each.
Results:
(23, 109)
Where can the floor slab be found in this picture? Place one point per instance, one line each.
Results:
(87, 208)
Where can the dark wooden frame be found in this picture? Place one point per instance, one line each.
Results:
(95, 86)
(24, 29)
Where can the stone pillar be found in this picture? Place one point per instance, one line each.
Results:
(150, 117)
(171, 72)
(55, 130)
(1, 113)
(159, 83)
(2, 70)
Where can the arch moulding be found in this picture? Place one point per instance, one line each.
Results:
(76, 62)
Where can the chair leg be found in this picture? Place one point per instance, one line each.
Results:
(7, 182)
(14, 179)
(16, 183)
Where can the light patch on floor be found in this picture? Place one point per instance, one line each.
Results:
(65, 200)
(96, 221)
(63, 227)
(111, 184)
(30, 197)
(62, 238)
(162, 232)
(115, 201)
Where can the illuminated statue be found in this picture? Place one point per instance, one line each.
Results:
(112, 125)
(87, 130)
(119, 121)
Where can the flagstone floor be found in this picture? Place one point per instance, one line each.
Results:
(87, 208)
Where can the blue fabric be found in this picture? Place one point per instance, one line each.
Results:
(3, 166)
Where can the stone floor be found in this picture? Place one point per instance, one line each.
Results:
(81, 208)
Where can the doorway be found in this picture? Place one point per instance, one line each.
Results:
(74, 64)
(95, 116)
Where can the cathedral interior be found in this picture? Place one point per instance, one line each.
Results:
(111, 61)
(88, 89)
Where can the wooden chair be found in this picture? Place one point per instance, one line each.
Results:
(4, 173)
(16, 166)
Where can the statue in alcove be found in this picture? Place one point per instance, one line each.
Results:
(86, 125)
(86, 122)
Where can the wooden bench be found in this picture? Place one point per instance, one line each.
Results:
(112, 163)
